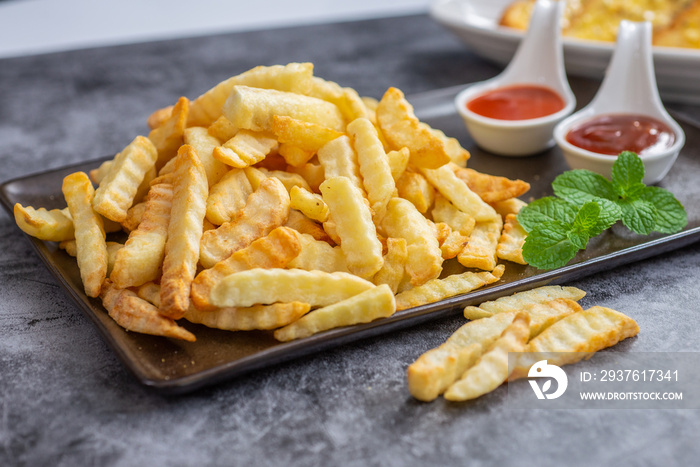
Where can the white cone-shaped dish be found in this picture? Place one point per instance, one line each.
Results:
(538, 61)
(629, 87)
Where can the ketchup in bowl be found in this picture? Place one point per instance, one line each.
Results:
(518, 102)
(611, 134)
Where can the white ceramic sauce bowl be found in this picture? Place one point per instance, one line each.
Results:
(538, 61)
(629, 87)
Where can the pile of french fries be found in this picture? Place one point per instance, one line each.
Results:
(546, 323)
(281, 201)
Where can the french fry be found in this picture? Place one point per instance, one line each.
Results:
(509, 206)
(245, 148)
(303, 135)
(289, 180)
(453, 243)
(458, 155)
(510, 245)
(222, 129)
(444, 211)
(274, 250)
(401, 128)
(136, 314)
(491, 370)
(316, 288)
(113, 248)
(480, 250)
(519, 300)
(318, 255)
(543, 315)
(294, 77)
(357, 232)
(403, 220)
(398, 161)
(134, 215)
(439, 289)
(294, 155)
(377, 302)
(576, 337)
(168, 137)
(159, 117)
(142, 256)
(255, 176)
(415, 188)
(184, 233)
(394, 266)
(96, 175)
(228, 196)
(312, 173)
(118, 188)
(347, 100)
(304, 225)
(52, 226)
(434, 371)
(310, 204)
(91, 250)
(262, 317)
(253, 109)
(491, 188)
(374, 165)
(266, 209)
(446, 182)
(339, 159)
(204, 144)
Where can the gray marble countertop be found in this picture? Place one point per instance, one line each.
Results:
(65, 399)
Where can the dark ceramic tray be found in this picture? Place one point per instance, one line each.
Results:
(172, 366)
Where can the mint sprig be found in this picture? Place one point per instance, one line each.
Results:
(586, 204)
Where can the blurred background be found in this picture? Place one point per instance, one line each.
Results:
(30, 27)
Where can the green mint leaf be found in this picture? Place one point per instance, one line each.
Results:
(638, 215)
(547, 246)
(578, 239)
(671, 216)
(587, 217)
(627, 175)
(580, 186)
(546, 210)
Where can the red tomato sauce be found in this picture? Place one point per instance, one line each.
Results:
(614, 133)
(520, 102)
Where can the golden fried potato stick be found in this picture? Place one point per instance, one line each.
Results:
(255, 176)
(312, 173)
(453, 243)
(439, 289)
(118, 188)
(491, 188)
(444, 211)
(274, 250)
(374, 165)
(141, 258)
(491, 370)
(576, 337)
(266, 209)
(392, 272)
(339, 159)
(245, 148)
(293, 155)
(510, 245)
(458, 155)
(480, 250)
(403, 220)
(294, 77)
(401, 128)
(228, 196)
(89, 232)
(133, 216)
(137, 315)
(204, 144)
(310, 204)
(222, 129)
(353, 220)
(303, 135)
(318, 255)
(261, 317)
(434, 371)
(52, 226)
(304, 225)
(112, 249)
(375, 303)
(509, 206)
(316, 288)
(398, 161)
(184, 233)
(415, 188)
(543, 315)
(289, 180)
(519, 300)
(96, 175)
(446, 182)
(168, 137)
(159, 117)
(253, 109)
(347, 100)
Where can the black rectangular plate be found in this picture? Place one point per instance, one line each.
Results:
(172, 366)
